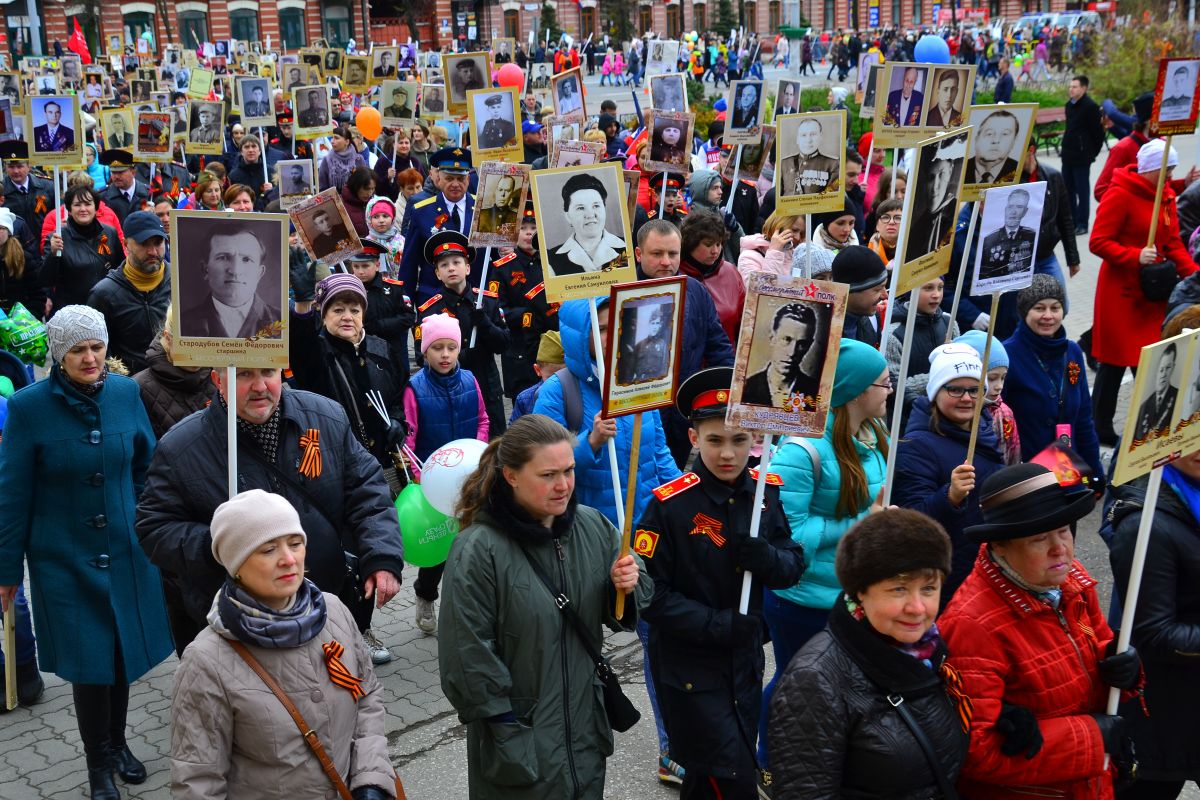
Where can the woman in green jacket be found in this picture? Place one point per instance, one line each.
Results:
(512, 666)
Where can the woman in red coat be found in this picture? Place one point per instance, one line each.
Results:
(1124, 320)
(1026, 633)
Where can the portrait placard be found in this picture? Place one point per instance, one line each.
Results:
(331, 63)
(229, 285)
(573, 153)
(754, 157)
(205, 134)
(10, 87)
(254, 102)
(293, 75)
(385, 61)
(866, 60)
(8, 121)
(567, 93)
(668, 92)
(1010, 224)
(1176, 101)
(116, 44)
(499, 204)
(670, 140)
(116, 128)
(999, 146)
(325, 228)
(314, 115)
(916, 101)
(70, 66)
(810, 170)
(583, 228)
(645, 338)
(433, 101)
(662, 55)
(502, 50)
(1189, 415)
(153, 141)
(787, 99)
(931, 208)
(786, 355)
(744, 119)
(398, 103)
(295, 181)
(465, 72)
(432, 75)
(356, 74)
(495, 127)
(633, 178)
(866, 108)
(199, 83)
(562, 129)
(1153, 435)
(539, 75)
(57, 131)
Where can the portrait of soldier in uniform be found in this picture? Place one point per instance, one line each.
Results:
(808, 170)
(1009, 249)
(315, 113)
(782, 378)
(1178, 93)
(502, 215)
(1155, 412)
(495, 124)
(467, 76)
(400, 107)
(670, 142)
(645, 354)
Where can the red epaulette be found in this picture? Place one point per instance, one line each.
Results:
(772, 478)
(532, 293)
(500, 262)
(393, 281)
(429, 302)
(681, 484)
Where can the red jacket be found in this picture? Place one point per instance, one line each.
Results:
(728, 294)
(1122, 154)
(1010, 647)
(1124, 320)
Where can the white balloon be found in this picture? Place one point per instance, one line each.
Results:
(446, 470)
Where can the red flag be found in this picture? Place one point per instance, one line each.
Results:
(78, 45)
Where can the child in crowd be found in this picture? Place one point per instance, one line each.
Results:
(381, 218)
(549, 360)
(442, 402)
(1002, 416)
(929, 331)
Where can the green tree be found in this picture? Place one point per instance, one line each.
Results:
(549, 22)
(620, 12)
(726, 18)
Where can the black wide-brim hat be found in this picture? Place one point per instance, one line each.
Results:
(1027, 500)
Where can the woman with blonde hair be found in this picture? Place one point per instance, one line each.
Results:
(771, 250)
(519, 675)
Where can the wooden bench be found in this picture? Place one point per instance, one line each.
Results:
(1048, 127)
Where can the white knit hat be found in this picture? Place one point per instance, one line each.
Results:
(950, 361)
(71, 325)
(247, 522)
(1150, 156)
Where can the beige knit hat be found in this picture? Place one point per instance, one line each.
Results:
(247, 522)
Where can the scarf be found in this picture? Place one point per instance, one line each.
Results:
(142, 281)
(87, 389)
(340, 165)
(829, 242)
(1050, 595)
(251, 622)
(266, 435)
(707, 270)
(1185, 487)
(922, 650)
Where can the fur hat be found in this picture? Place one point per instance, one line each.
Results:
(247, 522)
(890, 543)
(439, 326)
(1044, 287)
(71, 325)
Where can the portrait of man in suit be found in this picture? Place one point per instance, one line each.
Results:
(788, 101)
(793, 334)
(745, 106)
(497, 129)
(1154, 415)
(994, 139)
(947, 111)
(119, 135)
(53, 136)
(233, 264)
(905, 103)
(1010, 248)
(384, 68)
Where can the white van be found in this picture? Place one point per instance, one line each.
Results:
(1070, 19)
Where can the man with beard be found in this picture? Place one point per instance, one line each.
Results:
(793, 332)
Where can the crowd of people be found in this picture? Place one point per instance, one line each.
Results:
(946, 644)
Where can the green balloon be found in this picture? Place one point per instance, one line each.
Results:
(427, 533)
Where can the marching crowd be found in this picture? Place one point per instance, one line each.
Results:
(947, 644)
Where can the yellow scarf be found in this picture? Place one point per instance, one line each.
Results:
(143, 282)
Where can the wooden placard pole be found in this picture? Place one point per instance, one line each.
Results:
(630, 496)
(898, 399)
(612, 444)
(487, 259)
(960, 287)
(262, 140)
(1158, 193)
(10, 653)
(760, 488)
(231, 429)
(737, 166)
(987, 353)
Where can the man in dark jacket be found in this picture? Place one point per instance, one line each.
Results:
(342, 497)
(124, 195)
(29, 197)
(1081, 143)
(134, 298)
(706, 658)
(862, 269)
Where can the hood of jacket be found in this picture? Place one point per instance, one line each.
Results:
(575, 327)
(1131, 496)
(1128, 180)
(755, 241)
(699, 184)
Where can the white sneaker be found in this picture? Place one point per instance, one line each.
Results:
(379, 653)
(426, 615)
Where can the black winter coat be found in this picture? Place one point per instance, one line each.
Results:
(171, 393)
(834, 733)
(27, 289)
(1166, 630)
(528, 312)
(134, 318)
(26, 205)
(1058, 223)
(391, 315)
(187, 482)
(83, 262)
(121, 205)
(1084, 134)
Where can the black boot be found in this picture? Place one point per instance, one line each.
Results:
(30, 686)
(100, 778)
(127, 766)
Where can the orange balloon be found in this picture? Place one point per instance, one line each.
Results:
(369, 123)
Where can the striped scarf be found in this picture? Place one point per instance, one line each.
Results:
(253, 623)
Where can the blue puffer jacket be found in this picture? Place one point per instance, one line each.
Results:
(924, 461)
(448, 408)
(593, 479)
(811, 511)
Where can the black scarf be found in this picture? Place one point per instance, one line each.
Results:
(266, 435)
(891, 670)
(515, 522)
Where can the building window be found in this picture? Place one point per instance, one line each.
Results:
(897, 14)
(916, 12)
(698, 17)
(645, 19)
(336, 17)
(243, 25)
(751, 10)
(193, 26)
(673, 22)
(589, 21)
(136, 24)
(291, 28)
(773, 15)
(829, 14)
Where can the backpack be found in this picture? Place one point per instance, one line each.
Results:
(572, 400)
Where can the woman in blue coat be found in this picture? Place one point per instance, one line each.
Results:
(73, 457)
(932, 475)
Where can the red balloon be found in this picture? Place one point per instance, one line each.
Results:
(511, 75)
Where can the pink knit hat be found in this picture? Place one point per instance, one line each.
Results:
(439, 326)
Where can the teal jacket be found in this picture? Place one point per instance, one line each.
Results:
(810, 508)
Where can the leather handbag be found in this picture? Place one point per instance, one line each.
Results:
(1158, 280)
(622, 714)
(309, 735)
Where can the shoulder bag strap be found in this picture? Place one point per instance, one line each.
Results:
(308, 733)
(813, 456)
(939, 773)
(564, 606)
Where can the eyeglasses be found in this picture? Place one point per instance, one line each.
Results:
(890, 219)
(887, 386)
(958, 391)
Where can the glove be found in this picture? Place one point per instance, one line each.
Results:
(479, 319)
(303, 277)
(1112, 731)
(370, 793)
(747, 628)
(754, 554)
(1121, 670)
(1020, 729)
(396, 433)
(731, 221)
(981, 322)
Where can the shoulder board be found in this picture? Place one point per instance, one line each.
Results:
(532, 293)
(429, 302)
(681, 484)
(772, 478)
(393, 281)
(500, 262)
(425, 202)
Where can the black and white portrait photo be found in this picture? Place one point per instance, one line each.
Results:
(255, 97)
(356, 74)
(1190, 408)
(499, 204)
(10, 87)
(398, 102)
(947, 97)
(567, 91)
(662, 55)
(809, 161)
(331, 62)
(644, 345)
(645, 326)
(745, 114)
(384, 62)
(670, 140)
(785, 367)
(1179, 90)
(502, 51)
(47, 84)
(494, 118)
(295, 180)
(313, 114)
(1010, 223)
(466, 72)
(117, 128)
(540, 75)
(668, 92)
(293, 75)
(754, 157)
(72, 68)
(934, 193)
(999, 144)
(787, 98)
(205, 134)
(433, 101)
(325, 227)
(1156, 403)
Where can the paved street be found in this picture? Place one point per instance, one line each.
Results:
(41, 755)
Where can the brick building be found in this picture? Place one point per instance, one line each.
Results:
(863, 14)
